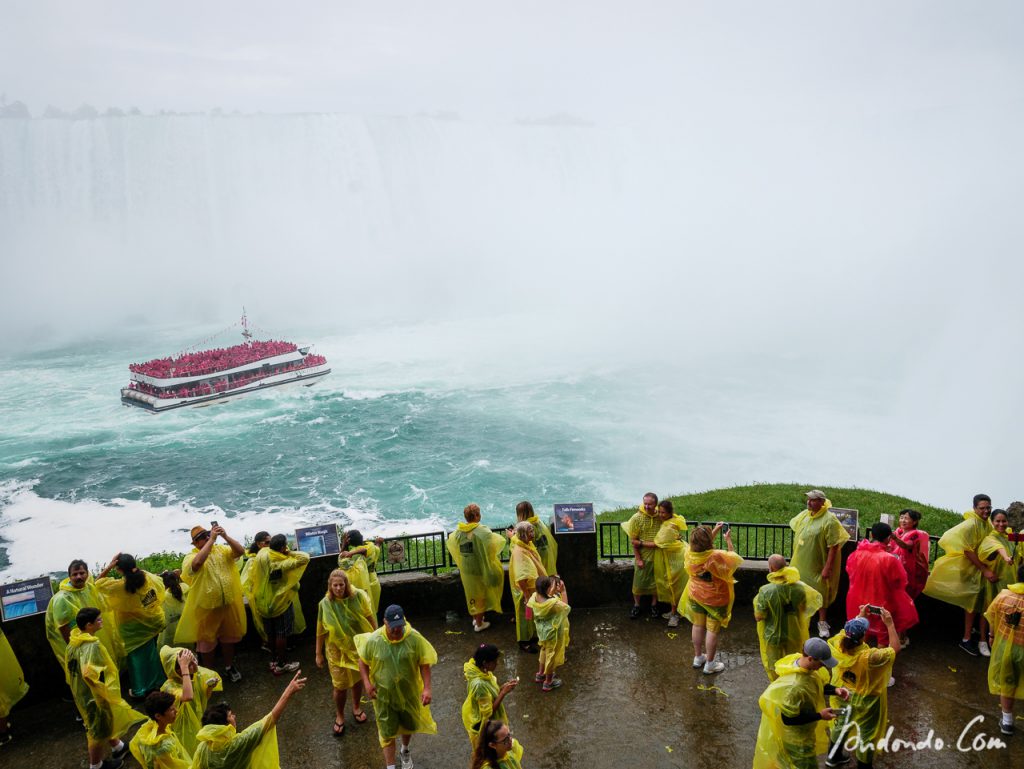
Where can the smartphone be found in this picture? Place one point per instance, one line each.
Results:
(212, 524)
(874, 609)
(726, 528)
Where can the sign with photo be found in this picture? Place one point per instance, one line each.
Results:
(23, 599)
(318, 540)
(848, 517)
(575, 518)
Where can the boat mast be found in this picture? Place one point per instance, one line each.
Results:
(245, 327)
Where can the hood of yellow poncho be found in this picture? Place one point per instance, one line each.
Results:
(527, 545)
(676, 521)
(1016, 587)
(987, 521)
(79, 637)
(65, 585)
(467, 527)
(169, 662)
(825, 506)
(695, 557)
(408, 629)
(643, 510)
(148, 734)
(217, 736)
(787, 575)
(472, 671)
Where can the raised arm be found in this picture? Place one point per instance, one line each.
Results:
(293, 686)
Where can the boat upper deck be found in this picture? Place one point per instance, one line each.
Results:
(207, 363)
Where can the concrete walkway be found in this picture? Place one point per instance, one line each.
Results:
(630, 700)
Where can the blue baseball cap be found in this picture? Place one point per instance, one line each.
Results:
(394, 616)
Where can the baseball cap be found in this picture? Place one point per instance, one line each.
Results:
(394, 617)
(815, 494)
(856, 628)
(818, 649)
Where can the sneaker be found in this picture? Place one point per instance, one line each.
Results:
(970, 647)
(234, 674)
(1006, 728)
(121, 752)
(286, 667)
(983, 649)
(698, 662)
(406, 757)
(654, 611)
(482, 626)
(824, 631)
(552, 685)
(904, 642)
(673, 621)
(713, 667)
(667, 615)
(838, 759)
(635, 611)
(539, 678)
(892, 682)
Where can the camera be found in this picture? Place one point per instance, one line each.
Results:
(874, 609)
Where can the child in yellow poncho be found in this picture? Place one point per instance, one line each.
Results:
(708, 598)
(342, 614)
(484, 698)
(221, 746)
(275, 576)
(1006, 667)
(191, 686)
(782, 609)
(12, 685)
(74, 594)
(524, 566)
(96, 688)
(643, 528)
(550, 606)
(669, 559)
(476, 550)
(137, 601)
(155, 745)
(818, 537)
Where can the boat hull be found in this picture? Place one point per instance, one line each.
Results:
(130, 397)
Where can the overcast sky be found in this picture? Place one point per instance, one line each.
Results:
(603, 61)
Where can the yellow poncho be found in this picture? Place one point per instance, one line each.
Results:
(355, 568)
(96, 687)
(795, 690)
(395, 671)
(173, 609)
(275, 584)
(158, 751)
(481, 691)
(476, 550)
(814, 534)
(524, 564)
(222, 747)
(551, 617)
(372, 557)
(245, 576)
(64, 607)
(1006, 665)
(341, 621)
(643, 526)
(216, 584)
(190, 714)
(512, 760)
(954, 579)
(12, 679)
(546, 544)
(865, 672)
(670, 560)
(1006, 573)
(710, 584)
(140, 615)
(783, 608)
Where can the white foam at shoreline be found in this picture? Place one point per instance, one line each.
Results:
(44, 535)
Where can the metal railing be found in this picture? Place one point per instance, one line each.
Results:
(753, 541)
(425, 552)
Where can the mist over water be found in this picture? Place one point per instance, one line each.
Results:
(553, 312)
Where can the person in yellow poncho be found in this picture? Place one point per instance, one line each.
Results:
(1002, 557)
(342, 614)
(394, 661)
(275, 590)
(709, 595)
(222, 746)
(75, 593)
(1006, 666)
(524, 566)
(484, 698)
(669, 559)
(12, 685)
(96, 688)
(643, 527)
(355, 558)
(191, 686)
(792, 733)
(214, 610)
(155, 745)
(550, 606)
(782, 609)
(259, 541)
(958, 574)
(818, 537)
(865, 671)
(496, 748)
(476, 550)
(137, 601)
(543, 539)
(174, 606)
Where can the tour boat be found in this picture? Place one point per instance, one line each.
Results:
(217, 375)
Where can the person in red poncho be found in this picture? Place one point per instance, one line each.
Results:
(878, 578)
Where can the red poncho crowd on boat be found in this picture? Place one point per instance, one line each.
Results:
(212, 361)
(222, 386)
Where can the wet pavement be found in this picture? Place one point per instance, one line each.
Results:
(630, 699)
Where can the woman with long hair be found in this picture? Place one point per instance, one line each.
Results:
(358, 558)
(138, 603)
(708, 598)
(524, 566)
(343, 613)
(495, 748)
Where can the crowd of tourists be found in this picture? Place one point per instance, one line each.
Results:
(212, 361)
(223, 385)
(826, 691)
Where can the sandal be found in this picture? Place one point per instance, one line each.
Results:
(339, 728)
(360, 717)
